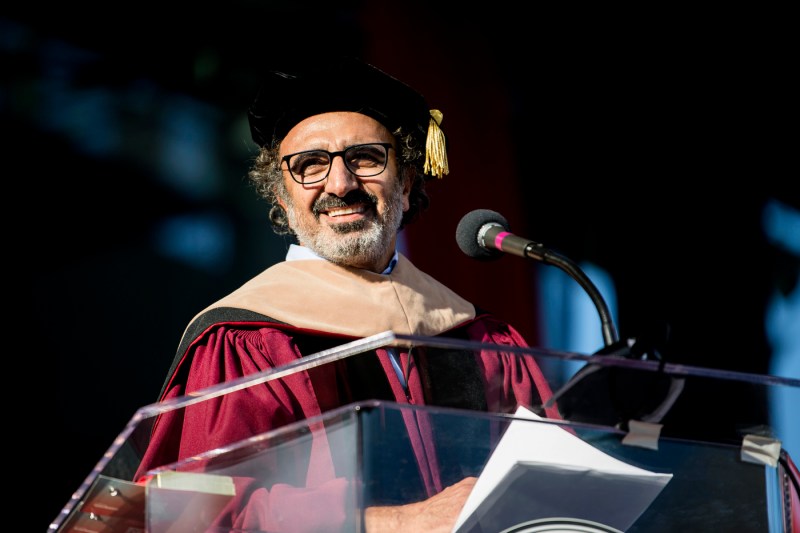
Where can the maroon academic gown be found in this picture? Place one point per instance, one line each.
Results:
(297, 308)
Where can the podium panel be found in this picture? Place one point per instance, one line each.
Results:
(603, 466)
(364, 458)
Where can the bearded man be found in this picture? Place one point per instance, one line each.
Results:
(345, 151)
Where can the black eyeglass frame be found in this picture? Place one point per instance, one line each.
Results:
(331, 156)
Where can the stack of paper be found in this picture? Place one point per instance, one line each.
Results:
(541, 471)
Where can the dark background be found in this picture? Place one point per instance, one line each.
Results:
(645, 143)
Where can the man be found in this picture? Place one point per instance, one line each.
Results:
(345, 151)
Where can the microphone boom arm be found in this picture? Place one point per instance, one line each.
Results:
(549, 257)
(483, 234)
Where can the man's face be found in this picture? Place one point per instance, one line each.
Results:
(348, 219)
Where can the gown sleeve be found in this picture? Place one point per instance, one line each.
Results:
(302, 492)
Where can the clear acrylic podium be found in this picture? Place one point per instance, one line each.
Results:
(596, 470)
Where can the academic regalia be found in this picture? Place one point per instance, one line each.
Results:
(297, 308)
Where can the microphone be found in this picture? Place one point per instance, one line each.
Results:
(484, 235)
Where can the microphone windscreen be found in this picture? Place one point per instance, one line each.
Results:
(468, 229)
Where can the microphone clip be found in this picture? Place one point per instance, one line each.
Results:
(613, 395)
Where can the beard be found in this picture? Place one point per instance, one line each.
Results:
(357, 244)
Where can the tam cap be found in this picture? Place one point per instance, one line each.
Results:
(346, 84)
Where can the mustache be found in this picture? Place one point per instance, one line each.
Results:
(356, 196)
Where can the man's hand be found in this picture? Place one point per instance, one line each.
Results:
(437, 514)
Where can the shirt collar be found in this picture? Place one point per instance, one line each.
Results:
(297, 252)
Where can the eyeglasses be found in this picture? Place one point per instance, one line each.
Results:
(313, 166)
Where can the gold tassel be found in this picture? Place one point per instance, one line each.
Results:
(435, 149)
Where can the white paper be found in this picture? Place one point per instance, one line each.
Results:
(557, 468)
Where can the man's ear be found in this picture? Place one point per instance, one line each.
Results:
(409, 175)
(278, 197)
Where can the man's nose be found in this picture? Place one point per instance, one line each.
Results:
(340, 180)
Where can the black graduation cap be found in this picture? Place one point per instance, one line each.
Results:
(346, 83)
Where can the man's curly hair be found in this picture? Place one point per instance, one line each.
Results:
(267, 178)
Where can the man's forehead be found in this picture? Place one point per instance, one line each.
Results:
(337, 128)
